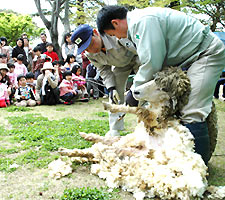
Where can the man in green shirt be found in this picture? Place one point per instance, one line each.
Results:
(166, 37)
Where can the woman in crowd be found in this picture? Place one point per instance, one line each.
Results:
(18, 49)
(68, 47)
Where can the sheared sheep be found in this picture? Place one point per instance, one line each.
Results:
(158, 159)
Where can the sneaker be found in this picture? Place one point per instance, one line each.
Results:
(96, 98)
(61, 101)
(105, 96)
(67, 103)
(84, 99)
(85, 95)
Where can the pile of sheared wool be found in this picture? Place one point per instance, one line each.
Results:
(164, 166)
(59, 168)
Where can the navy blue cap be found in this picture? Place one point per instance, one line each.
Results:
(82, 36)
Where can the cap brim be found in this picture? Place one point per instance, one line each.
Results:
(84, 46)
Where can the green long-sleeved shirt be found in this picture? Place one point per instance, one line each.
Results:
(165, 37)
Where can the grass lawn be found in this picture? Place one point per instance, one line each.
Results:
(30, 137)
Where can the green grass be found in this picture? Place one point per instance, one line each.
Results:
(39, 136)
(102, 114)
(17, 109)
(86, 194)
(31, 140)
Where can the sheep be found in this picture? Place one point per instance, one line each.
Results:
(158, 159)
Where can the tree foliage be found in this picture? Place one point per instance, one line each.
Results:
(213, 9)
(12, 25)
(131, 4)
(86, 11)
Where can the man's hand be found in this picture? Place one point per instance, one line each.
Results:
(130, 100)
(114, 96)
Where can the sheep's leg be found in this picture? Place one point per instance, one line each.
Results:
(119, 108)
(76, 152)
(97, 138)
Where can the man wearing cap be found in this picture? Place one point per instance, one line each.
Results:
(114, 62)
(49, 76)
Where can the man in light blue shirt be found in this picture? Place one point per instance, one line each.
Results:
(166, 37)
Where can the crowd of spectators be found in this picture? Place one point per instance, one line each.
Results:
(35, 76)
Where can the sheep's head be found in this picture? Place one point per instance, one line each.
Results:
(150, 92)
(170, 86)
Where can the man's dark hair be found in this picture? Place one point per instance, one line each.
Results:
(107, 14)
(37, 48)
(44, 34)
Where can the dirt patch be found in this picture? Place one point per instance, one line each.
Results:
(26, 183)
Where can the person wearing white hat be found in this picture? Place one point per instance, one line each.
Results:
(48, 79)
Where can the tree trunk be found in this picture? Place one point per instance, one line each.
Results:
(52, 25)
(65, 20)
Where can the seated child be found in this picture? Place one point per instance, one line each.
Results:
(4, 97)
(79, 81)
(30, 80)
(38, 61)
(67, 93)
(20, 68)
(69, 63)
(50, 52)
(57, 64)
(24, 94)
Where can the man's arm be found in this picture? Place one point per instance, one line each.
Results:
(105, 72)
(151, 48)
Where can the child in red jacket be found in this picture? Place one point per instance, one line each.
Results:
(50, 52)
